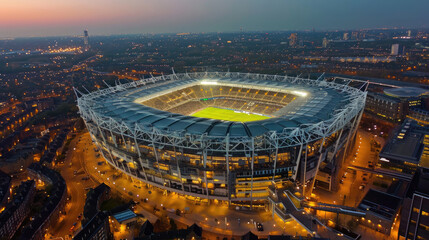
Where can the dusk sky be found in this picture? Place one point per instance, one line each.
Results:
(22, 18)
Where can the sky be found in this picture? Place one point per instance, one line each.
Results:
(27, 18)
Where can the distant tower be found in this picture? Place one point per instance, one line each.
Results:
(85, 40)
(355, 35)
(397, 50)
(346, 36)
(293, 39)
(325, 42)
(409, 33)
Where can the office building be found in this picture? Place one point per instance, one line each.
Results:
(415, 211)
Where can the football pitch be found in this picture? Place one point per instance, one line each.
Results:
(229, 115)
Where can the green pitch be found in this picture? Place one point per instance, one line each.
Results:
(229, 115)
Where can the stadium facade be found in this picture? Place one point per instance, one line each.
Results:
(144, 129)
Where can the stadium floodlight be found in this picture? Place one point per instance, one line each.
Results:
(208, 82)
(300, 93)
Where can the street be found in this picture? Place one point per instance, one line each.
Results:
(355, 184)
(76, 189)
(216, 218)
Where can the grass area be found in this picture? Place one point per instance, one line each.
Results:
(229, 115)
(111, 204)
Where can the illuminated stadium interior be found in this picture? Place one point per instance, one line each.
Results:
(192, 100)
(146, 130)
(228, 114)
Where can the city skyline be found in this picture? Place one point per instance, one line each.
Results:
(46, 18)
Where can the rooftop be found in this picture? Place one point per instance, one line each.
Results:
(380, 203)
(406, 92)
(406, 143)
(124, 215)
(93, 226)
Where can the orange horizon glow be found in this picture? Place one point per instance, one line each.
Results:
(29, 13)
(69, 17)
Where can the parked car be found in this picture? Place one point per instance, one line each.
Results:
(259, 227)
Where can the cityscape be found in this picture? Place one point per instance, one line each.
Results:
(252, 133)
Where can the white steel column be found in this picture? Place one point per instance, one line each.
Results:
(318, 165)
(298, 162)
(108, 149)
(337, 143)
(305, 169)
(275, 160)
(155, 152)
(205, 170)
(227, 169)
(123, 139)
(252, 167)
(178, 168)
(140, 157)
(104, 142)
(113, 137)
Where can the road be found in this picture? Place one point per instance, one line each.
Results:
(217, 220)
(211, 217)
(76, 189)
(349, 193)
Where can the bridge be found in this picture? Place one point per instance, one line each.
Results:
(383, 172)
(334, 208)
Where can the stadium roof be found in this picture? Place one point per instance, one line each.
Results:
(317, 106)
(320, 107)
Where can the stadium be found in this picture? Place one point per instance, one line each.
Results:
(223, 135)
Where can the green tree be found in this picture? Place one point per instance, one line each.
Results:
(173, 224)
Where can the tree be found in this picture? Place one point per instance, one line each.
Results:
(173, 224)
(160, 226)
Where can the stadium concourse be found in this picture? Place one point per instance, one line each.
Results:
(145, 130)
